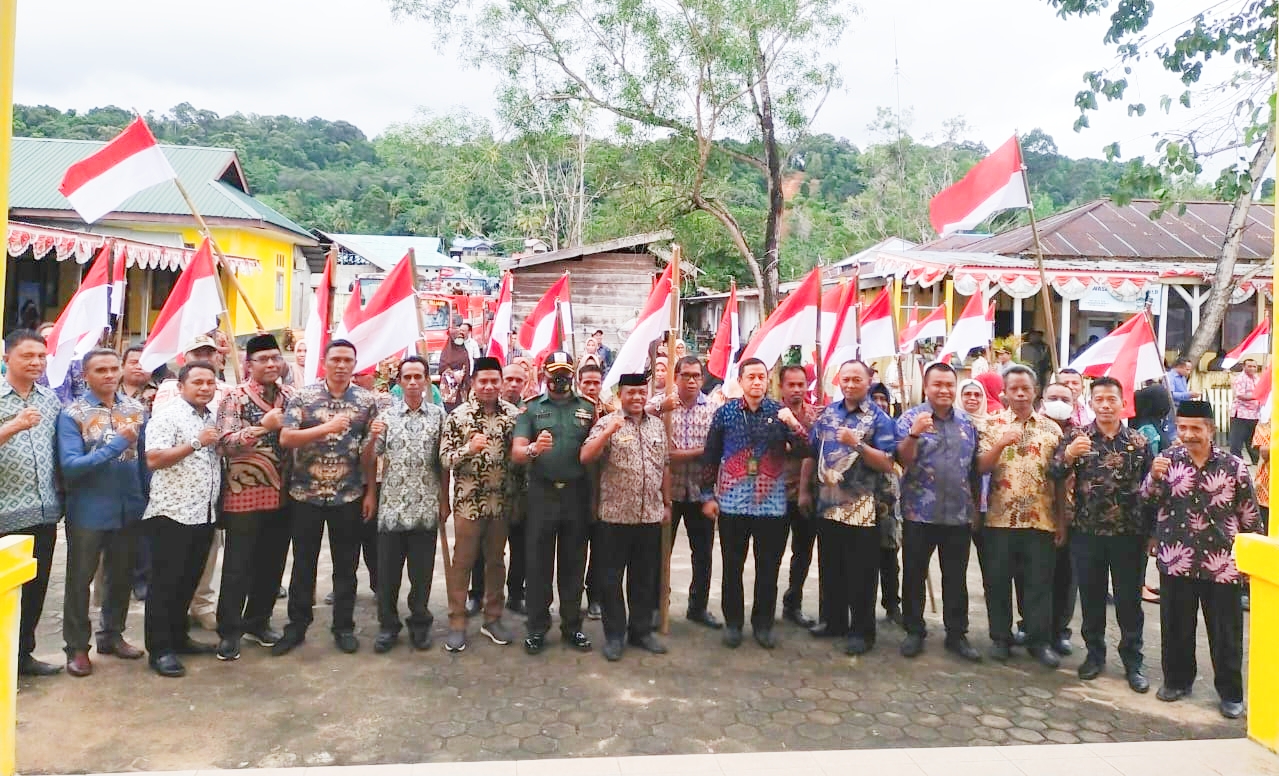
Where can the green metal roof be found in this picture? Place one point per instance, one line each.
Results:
(211, 176)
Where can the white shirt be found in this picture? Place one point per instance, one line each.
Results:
(169, 390)
(187, 491)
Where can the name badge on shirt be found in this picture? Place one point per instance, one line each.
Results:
(752, 467)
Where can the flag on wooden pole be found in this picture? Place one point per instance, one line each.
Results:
(319, 321)
(1128, 354)
(500, 331)
(130, 163)
(192, 309)
(654, 320)
(878, 338)
(974, 329)
(996, 183)
(721, 361)
(552, 315)
(82, 321)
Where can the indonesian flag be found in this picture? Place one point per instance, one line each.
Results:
(318, 323)
(82, 322)
(192, 309)
(1128, 354)
(500, 331)
(728, 340)
(841, 346)
(130, 163)
(117, 283)
(540, 333)
(832, 303)
(794, 322)
(388, 325)
(1255, 344)
(995, 184)
(933, 326)
(878, 338)
(1265, 394)
(974, 329)
(653, 322)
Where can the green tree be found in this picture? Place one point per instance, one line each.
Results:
(1227, 49)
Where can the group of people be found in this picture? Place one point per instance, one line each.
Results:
(1053, 488)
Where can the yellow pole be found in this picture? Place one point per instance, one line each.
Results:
(16, 567)
(8, 30)
(950, 307)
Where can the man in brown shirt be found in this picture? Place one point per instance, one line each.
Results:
(634, 501)
(803, 524)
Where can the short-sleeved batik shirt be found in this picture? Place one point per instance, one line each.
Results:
(1021, 493)
(328, 472)
(409, 496)
(631, 471)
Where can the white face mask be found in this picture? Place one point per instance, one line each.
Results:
(1058, 409)
(459, 340)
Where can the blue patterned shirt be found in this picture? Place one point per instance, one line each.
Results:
(29, 462)
(746, 458)
(847, 489)
(938, 487)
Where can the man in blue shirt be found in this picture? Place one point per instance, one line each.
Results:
(1179, 381)
(937, 448)
(98, 451)
(745, 459)
(851, 451)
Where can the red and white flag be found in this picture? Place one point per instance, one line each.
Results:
(1128, 354)
(130, 163)
(974, 329)
(932, 327)
(388, 325)
(996, 183)
(543, 331)
(117, 281)
(1265, 393)
(192, 309)
(82, 322)
(654, 320)
(728, 340)
(794, 322)
(1255, 344)
(841, 346)
(318, 323)
(878, 339)
(500, 331)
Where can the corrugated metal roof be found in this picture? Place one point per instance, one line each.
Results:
(211, 176)
(385, 251)
(627, 244)
(1103, 230)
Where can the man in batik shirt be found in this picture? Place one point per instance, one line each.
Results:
(1203, 497)
(803, 524)
(1108, 527)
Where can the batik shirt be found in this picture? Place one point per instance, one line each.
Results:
(409, 496)
(1198, 513)
(1021, 493)
(101, 467)
(848, 490)
(480, 480)
(746, 458)
(29, 462)
(806, 416)
(255, 465)
(689, 426)
(144, 395)
(187, 491)
(1107, 481)
(938, 487)
(631, 470)
(328, 471)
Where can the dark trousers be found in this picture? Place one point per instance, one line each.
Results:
(368, 548)
(87, 547)
(700, 530)
(803, 534)
(849, 573)
(951, 543)
(634, 551)
(1007, 549)
(514, 572)
(395, 550)
(735, 538)
(179, 553)
(555, 534)
(889, 579)
(591, 582)
(46, 538)
(346, 528)
(1241, 438)
(1180, 601)
(1114, 563)
(256, 549)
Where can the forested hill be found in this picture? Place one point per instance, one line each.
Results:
(455, 174)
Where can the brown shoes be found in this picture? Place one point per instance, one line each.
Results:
(120, 648)
(78, 664)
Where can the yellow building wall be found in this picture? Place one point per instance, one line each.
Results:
(276, 257)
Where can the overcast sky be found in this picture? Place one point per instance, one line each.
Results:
(1002, 65)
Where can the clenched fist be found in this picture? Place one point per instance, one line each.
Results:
(923, 424)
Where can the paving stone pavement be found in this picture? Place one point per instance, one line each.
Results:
(320, 707)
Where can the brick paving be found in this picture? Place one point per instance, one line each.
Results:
(319, 707)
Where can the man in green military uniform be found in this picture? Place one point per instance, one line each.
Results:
(548, 439)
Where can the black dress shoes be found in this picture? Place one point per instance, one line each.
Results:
(193, 647)
(264, 637)
(1045, 656)
(578, 640)
(1091, 669)
(613, 650)
(649, 643)
(959, 646)
(766, 639)
(823, 631)
(29, 666)
(287, 643)
(385, 641)
(705, 618)
(347, 642)
(732, 637)
(912, 645)
(798, 617)
(1172, 694)
(1137, 681)
(167, 665)
(1063, 647)
(856, 645)
(1231, 709)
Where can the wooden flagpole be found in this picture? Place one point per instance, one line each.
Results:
(1045, 294)
(222, 259)
(572, 329)
(821, 352)
(664, 600)
(119, 322)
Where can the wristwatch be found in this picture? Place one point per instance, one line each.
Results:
(196, 444)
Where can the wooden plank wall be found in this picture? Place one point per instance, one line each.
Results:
(609, 290)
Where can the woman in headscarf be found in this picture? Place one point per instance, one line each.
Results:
(455, 370)
(993, 384)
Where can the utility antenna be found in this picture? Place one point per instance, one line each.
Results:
(901, 151)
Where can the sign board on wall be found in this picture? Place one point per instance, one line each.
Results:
(1101, 299)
